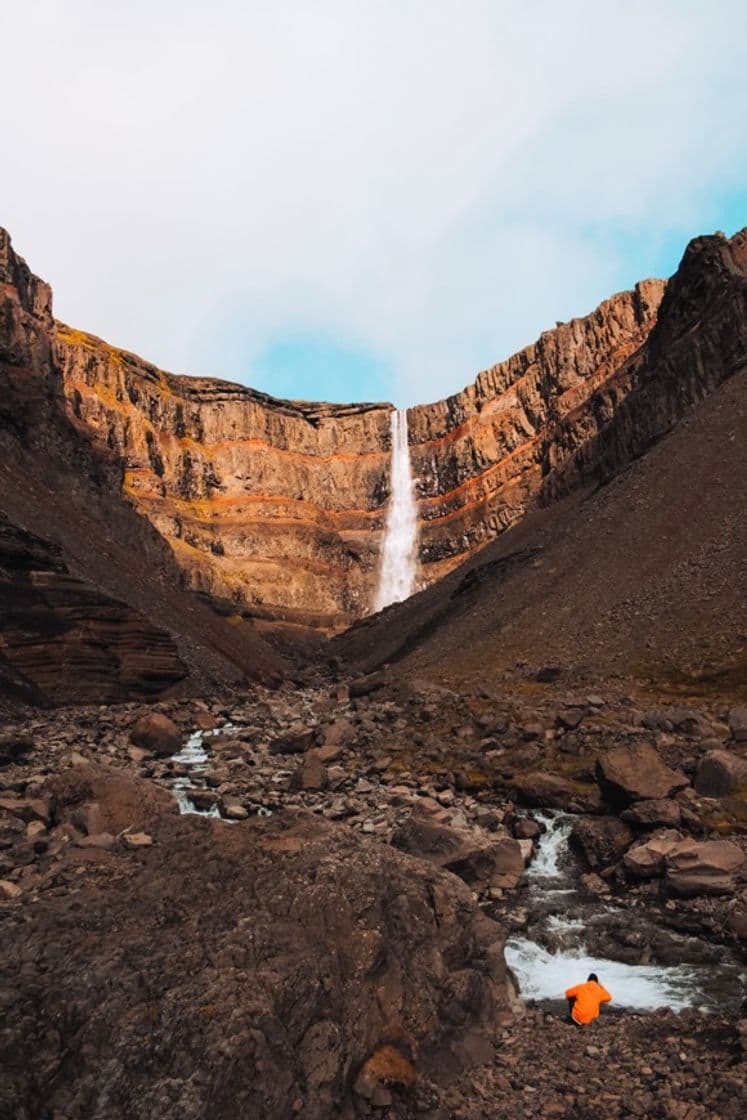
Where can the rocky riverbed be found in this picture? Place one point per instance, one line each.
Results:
(341, 788)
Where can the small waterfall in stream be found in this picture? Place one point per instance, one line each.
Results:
(399, 552)
(555, 954)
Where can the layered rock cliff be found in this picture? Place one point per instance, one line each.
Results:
(278, 506)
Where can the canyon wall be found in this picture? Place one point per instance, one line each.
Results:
(278, 506)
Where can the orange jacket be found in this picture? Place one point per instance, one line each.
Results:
(588, 996)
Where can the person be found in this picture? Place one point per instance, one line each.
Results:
(584, 1000)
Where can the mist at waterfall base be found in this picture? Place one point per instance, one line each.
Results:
(399, 550)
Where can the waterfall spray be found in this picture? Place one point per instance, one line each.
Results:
(399, 551)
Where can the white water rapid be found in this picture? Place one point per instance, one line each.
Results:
(399, 552)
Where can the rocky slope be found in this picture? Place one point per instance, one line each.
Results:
(278, 506)
(638, 572)
(96, 606)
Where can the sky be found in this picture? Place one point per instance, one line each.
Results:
(362, 199)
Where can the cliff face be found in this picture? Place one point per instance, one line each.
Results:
(279, 506)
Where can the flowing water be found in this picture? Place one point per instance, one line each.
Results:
(556, 955)
(399, 551)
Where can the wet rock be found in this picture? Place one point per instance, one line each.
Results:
(703, 867)
(647, 859)
(653, 814)
(157, 733)
(600, 840)
(232, 809)
(526, 829)
(636, 773)
(738, 724)
(720, 774)
(202, 799)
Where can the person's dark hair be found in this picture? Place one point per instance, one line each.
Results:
(592, 976)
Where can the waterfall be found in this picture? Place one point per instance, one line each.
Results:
(399, 551)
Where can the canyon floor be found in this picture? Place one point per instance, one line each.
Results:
(361, 853)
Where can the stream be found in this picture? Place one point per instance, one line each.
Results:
(567, 936)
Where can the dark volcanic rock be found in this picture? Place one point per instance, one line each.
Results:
(601, 840)
(248, 970)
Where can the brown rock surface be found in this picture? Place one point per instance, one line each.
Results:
(705, 867)
(636, 773)
(246, 970)
(601, 840)
(156, 732)
(720, 773)
(646, 860)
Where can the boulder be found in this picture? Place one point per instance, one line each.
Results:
(14, 747)
(653, 814)
(600, 840)
(282, 960)
(551, 791)
(157, 733)
(294, 741)
(720, 774)
(117, 801)
(636, 773)
(481, 863)
(311, 775)
(703, 867)
(738, 724)
(647, 859)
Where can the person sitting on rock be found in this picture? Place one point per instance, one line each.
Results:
(585, 1000)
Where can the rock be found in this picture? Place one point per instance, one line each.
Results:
(720, 773)
(9, 890)
(636, 773)
(121, 801)
(600, 840)
(647, 859)
(202, 799)
(103, 840)
(571, 718)
(294, 741)
(738, 724)
(137, 840)
(551, 791)
(481, 863)
(311, 775)
(364, 686)
(526, 829)
(157, 733)
(293, 952)
(232, 809)
(14, 747)
(703, 867)
(26, 809)
(653, 814)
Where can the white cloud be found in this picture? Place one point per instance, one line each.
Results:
(437, 181)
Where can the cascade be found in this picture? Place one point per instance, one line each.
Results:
(399, 551)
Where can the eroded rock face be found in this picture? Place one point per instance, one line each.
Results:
(278, 507)
(258, 969)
